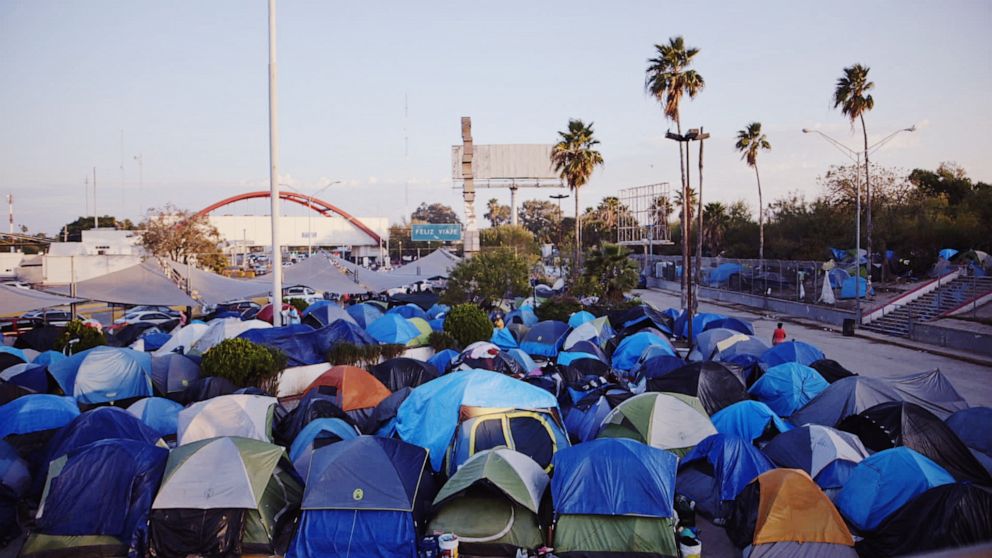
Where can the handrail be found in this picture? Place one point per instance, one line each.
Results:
(910, 296)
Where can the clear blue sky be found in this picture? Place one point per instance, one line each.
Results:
(186, 81)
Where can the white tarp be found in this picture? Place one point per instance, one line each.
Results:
(14, 300)
(183, 337)
(241, 415)
(144, 283)
(211, 288)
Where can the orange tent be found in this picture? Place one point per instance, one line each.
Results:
(792, 508)
(355, 388)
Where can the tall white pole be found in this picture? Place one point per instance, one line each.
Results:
(274, 173)
(96, 219)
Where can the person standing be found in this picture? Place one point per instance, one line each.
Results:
(779, 335)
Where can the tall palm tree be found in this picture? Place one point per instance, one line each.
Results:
(496, 213)
(715, 229)
(852, 97)
(668, 79)
(574, 157)
(687, 209)
(750, 140)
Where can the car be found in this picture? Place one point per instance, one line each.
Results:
(146, 317)
(238, 306)
(16, 284)
(37, 318)
(302, 292)
(146, 308)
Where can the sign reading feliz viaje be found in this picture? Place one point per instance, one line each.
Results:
(436, 231)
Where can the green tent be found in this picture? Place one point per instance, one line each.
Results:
(491, 503)
(669, 421)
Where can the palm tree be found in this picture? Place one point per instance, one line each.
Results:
(750, 140)
(661, 208)
(851, 95)
(496, 213)
(715, 229)
(668, 79)
(686, 209)
(575, 158)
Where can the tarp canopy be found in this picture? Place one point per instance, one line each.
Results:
(103, 374)
(673, 422)
(318, 273)
(716, 385)
(749, 420)
(438, 263)
(787, 387)
(143, 283)
(826, 454)
(14, 300)
(211, 288)
(843, 398)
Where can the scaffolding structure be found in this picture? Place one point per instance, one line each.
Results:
(644, 221)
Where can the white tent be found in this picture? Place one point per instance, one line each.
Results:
(247, 416)
(144, 283)
(183, 337)
(221, 329)
(666, 421)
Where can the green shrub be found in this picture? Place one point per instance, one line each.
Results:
(558, 308)
(441, 340)
(88, 337)
(466, 323)
(610, 266)
(299, 304)
(362, 356)
(391, 351)
(489, 277)
(244, 363)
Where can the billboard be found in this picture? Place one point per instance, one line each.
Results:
(506, 161)
(433, 231)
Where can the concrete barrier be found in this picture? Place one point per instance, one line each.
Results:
(951, 338)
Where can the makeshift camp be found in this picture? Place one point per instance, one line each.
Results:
(782, 513)
(246, 416)
(173, 372)
(723, 275)
(716, 471)
(224, 496)
(365, 497)
(750, 420)
(855, 287)
(397, 373)
(315, 404)
(715, 384)
(883, 483)
(544, 339)
(831, 370)
(584, 417)
(492, 503)
(409, 311)
(932, 391)
(788, 387)
(317, 434)
(613, 497)
(393, 329)
(893, 424)
(432, 413)
(96, 500)
(668, 421)
(161, 415)
(323, 313)
(843, 398)
(354, 391)
(942, 518)
(629, 350)
(104, 375)
(826, 454)
(483, 355)
(364, 314)
(536, 433)
(641, 317)
(597, 331)
(792, 351)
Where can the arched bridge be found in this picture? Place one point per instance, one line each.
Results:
(316, 204)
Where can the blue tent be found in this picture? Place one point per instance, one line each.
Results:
(273, 335)
(437, 324)
(524, 315)
(409, 311)
(364, 314)
(545, 338)
(442, 360)
(173, 372)
(15, 352)
(102, 423)
(325, 312)
(853, 287)
(104, 488)
(947, 253)
(158, 413)
(104, 374)
(838, 254)
(503, 338)
(749, 420)
(733, 323)
(431, 413)
(657, 365)
(153, 340)
(787, 387)
(524, 360)
(716, 471)
(753, 348)
(972, 426)
(792, 351)
(364, 497)
(827, 455)
(340, 331)
(614, 476)
(628, 352)
(585, 415)
(568, 357)
(837, 277)
(438, 311)
(883, 482)
(36, 412)
(327, 430)
(643, 316)
(579, 318)
(15, 479)
(699, 322)
(393, 329)
(48, 357)
(722, 273)
(304, 345)
(30, 376)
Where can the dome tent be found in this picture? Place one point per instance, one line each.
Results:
(247, 416)
(787, 387)
(716, 471)
(751, 420)
(667, 421)
(104, 374)
(717, 385)
(827, 455)
(845, 397)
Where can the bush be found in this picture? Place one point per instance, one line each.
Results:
(362, 356)
(87, 336)
(391, 351)
(466, 323)
(299, 304)
(558, 308)
(441, 340)
(610, 266)
(488, 278)
(244, 363)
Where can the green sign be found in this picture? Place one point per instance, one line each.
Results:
(427, 232)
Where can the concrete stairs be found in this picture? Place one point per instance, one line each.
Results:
(931, 306)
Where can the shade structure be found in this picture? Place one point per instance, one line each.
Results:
(544, 339)
(245, 416)
(884, 482)
(673, 422)
(397, 373)
(158, 413)
(14, 300)
(843, 398)
(826, 454)
(931, 390)
(716, 385)
(35, 413)
(787, 387)
(211, 288)
(318, 273)
(786, 506)
(717, 470)
(173, 372)
(751, 420)
(143, 283)
(438, 263)
(906, 424)
(104, 374)
(792, 351)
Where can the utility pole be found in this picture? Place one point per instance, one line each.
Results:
(140, 158)
(470, 243)
(701, 136)
(96, 219)
(10, 218)
(274, 172)
(559, 197)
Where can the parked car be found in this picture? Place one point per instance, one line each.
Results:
(146, 317)
(238, 306)
(147, 308)
(302, 292)
(36, 318)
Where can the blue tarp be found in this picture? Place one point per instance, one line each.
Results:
(304, 345)
(503, 338)
(721, 274)
(947, 254)
(734, 460)
(430, 414)
(614, 476)
(36, 412)
(364, 314)
(393, 329)
(545, 338)
(104, 374)
(854, 287)
(154, 340)
(974, 427)
(787, 387)
(579, 318)
(158, 413)
(410, 311)
(883, 482)
(792, 351)
(747, 420)
(629, 350)
(733, 323)
(442, 360)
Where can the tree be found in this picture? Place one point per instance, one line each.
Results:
(715, 229)
(750, 140)
(516, 237)
(496, 213)
(668, 79)
(661, 208)
(73, 232)
(610, 266)
(184, 237)
(949, 180)
(436, 213)
(541, 218)
(575, 158)
(489, 277)
(852, 97)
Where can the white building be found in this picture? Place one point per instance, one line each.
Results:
(101, 251)
(302, 231)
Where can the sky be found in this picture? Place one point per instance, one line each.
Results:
(371, 95)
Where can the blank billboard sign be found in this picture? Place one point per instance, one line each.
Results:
(506, 161)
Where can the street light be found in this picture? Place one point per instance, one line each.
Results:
(559, 197)
(855, 156)
(310, 210)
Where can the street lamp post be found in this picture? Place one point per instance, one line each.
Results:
(855, 156)
(274, 172)
(559, 197)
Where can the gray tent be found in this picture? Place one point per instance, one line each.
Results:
(14, 300)
(211, 288)
(144, 283)
(930, 390)
(845, 397)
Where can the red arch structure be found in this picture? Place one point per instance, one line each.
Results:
(316, 204)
